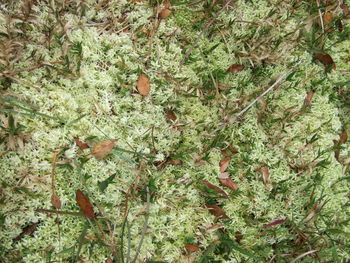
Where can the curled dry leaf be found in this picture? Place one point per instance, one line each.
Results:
(164, 13)
(224, 163)
(55, 201)
(225, 180)
(343, 137)
(84, 204)
(102, 149)
(80, 144)
(234, 68)
(217, 211)
(325, 59)
(191, 248)
(266, 174)
(327, 18)
(143, 85)
(308, 97)
(109, 260)
(170, 115)
(215, 188)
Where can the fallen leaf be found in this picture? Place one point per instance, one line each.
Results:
(191, 248)
(174, 161)
(308, 97)
(170, 115)
(217, 211)
(234, 68)
(229, 151)
(325, 59)
(327, 18)
(143, 85)
(220, 87)
(276, 222)
(109, 260)
(238, 236)
(80, 144)
(225, 180)
(215, 188)
(84, 204)
(102, 149)
(27, 231)
(343, 137)
(164, 13)
(224, 163)
(346, 10)
(55, 201)
(266, 174)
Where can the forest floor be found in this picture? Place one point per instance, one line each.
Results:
(126, 134)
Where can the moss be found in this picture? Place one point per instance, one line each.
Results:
(303, 174)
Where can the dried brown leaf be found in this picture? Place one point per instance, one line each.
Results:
(343, 137)
(224, 163)
(308, 97)
(164, 13)
(229, 151)
(215, 188)
(170, 115)
(325, 59)
(217, 211)
(85, 204)
(327, 18)
(266, 174)
(80, 144)
(27, 231)
(225, 180)
(109, 260)
(234, 68)
(55, 201)
(191, 248)
(143, 85)
(102, 149)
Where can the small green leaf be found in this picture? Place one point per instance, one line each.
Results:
(104, 184)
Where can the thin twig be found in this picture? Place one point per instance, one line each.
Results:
(285, 75)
